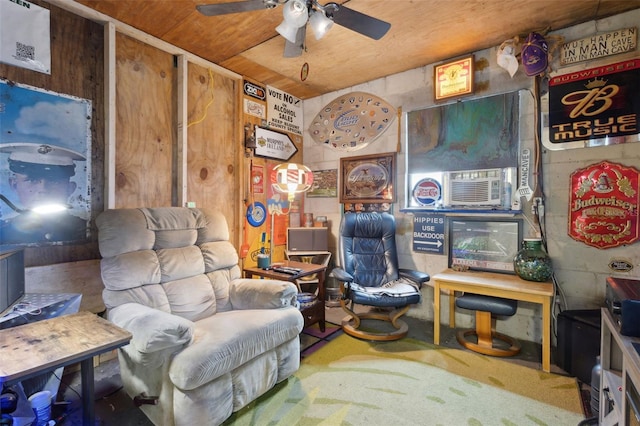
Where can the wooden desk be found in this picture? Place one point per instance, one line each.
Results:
(498, 285)
(313, 313)
(32, 349)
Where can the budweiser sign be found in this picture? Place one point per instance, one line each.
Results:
(603, 208)
(598, 103)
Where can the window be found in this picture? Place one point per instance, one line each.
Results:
(464, 154)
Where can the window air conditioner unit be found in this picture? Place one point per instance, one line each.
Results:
(486, 187)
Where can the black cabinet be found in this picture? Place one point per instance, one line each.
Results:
(578, 342)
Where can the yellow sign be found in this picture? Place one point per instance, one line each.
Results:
(454, 78)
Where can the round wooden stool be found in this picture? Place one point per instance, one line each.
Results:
(486, 307)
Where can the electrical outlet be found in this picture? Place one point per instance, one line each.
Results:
(536, 206)
(191, 204)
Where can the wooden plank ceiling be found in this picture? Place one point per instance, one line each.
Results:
(422, 32)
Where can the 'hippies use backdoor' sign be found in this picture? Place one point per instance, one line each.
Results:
(595, 104)
(603, 208)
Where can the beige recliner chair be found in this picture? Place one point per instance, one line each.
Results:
(206, 342)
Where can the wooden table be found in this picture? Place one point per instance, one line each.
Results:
(32, 349)
(313, 313)
(498, 285)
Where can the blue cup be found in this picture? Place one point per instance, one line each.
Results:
(263, 261)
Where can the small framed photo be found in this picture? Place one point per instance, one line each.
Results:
(454, 78)
(486, 245)
(368, 179)
(325, 184)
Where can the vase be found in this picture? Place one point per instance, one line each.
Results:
(532, 263)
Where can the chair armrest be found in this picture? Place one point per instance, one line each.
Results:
(342, 275)
(247, 293)
(415, 276)
(152, 329)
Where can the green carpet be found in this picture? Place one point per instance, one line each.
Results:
(410, 382)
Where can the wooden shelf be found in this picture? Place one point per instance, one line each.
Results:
(313, 313)
(620, 377)
(318, 258)
(307, 285)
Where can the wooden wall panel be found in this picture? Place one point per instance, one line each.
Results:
(252, 235)
(213, 143)
(145, 130)
(77, 69)
(146, 139)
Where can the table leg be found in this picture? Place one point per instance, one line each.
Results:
(546, 335)
(321, 277)
(452, 308)
(436, 313)
(86, 375)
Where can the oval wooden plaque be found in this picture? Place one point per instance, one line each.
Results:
(352, 121)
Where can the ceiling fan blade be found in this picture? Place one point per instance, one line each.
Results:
(234, 7)
(359, 22)
(293, 50)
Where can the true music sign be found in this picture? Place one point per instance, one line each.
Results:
(596, 103)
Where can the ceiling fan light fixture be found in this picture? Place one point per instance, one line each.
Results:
(287, 31)
(320, 24)
(295, 16)
(295, 13)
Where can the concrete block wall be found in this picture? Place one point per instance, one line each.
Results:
(580, 270)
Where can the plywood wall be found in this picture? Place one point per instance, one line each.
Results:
(252, 235)
(145, 130)
(149, 156)
(213, 163)
(156, 162)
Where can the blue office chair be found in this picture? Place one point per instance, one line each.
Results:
(370, 276)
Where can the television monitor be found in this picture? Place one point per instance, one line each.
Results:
(484, 244)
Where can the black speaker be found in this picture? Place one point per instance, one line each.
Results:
(11, 278)
(578, 342)
(307, 239)
(630, 318)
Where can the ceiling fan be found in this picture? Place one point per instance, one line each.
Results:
(297, 13)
